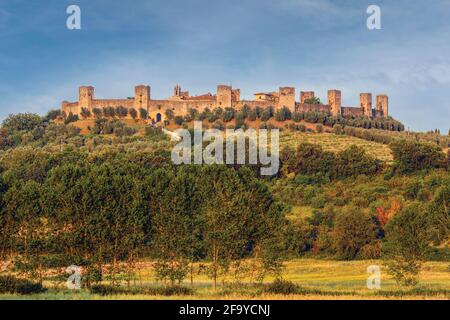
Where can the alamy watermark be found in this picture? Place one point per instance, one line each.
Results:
(73, 21)
(374, 280)
(374, 20)
(74, 279)
(228, 147)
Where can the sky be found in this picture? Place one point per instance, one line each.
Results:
(254, 45)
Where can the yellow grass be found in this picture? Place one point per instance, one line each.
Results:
(335, 280)
(335, 143)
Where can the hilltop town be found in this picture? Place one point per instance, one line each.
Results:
(226, 97)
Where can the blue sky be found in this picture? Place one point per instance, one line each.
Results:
(255, 45)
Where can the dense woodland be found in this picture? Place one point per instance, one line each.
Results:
(110, 199)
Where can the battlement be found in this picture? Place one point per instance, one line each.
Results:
(226, 97)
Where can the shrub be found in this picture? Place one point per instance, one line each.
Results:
(319, 128)
(218, 125)
(297, 116)
(283, 114)
(252, 115)
(71, 118)
(104, 290)
(179, 120)
(170, 114)
(133, 113)
(337, 129)
(240, 121)
(301, 128)
(22, 121)
(85, 112)
(13, 285)
(280, 286)
(228, 114)
(370, 251)
(410, 156)
(143, 114)
(170, 291)
(98, 113)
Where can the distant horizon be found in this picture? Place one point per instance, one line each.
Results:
(312, 45)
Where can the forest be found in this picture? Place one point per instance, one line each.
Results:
(110, 202)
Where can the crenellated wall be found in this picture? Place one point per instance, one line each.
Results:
(181, 102)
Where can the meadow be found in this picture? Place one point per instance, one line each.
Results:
(319, 279)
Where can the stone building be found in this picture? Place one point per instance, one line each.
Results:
(226, 97)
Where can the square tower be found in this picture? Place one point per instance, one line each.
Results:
(224, 94)
(382, 107)
(287, 98)
(366, 104)
(306, 95)
(335, 101)
(85, 97)
(141, 97)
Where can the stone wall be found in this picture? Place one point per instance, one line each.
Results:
(226, 97)
(307, 107)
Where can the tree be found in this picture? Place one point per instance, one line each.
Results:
(85, 113)
(439, 215)
(133, 113)
(228, 114)
(406, 244)
(283, 114)
(353, 229)
(143, 114)
(98, 113)
(109, 112)
(52, 115)
(170, 114)
(22, 121)
(121, 111)
(313, 100)
(354, 161)
(410, 156)
(71, 118)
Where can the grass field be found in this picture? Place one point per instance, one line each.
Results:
(335, 143)
(322, 279)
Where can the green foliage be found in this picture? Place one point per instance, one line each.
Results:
(52, 115)
(133, 113)
(170, 114)
(109, 112)
(266, 114)
(313, 100)
(319, 128)
(22, 122)
(85, 113)
(337, 129)
(297, 116)
(410, 156)
(104, 289)
(143, 114)
(283, 114)
(353, 230)
(98, 112)
(284, 287)
(121, 111)
(407, 244)
(228, 114)
(13, 285)
(179, 120)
